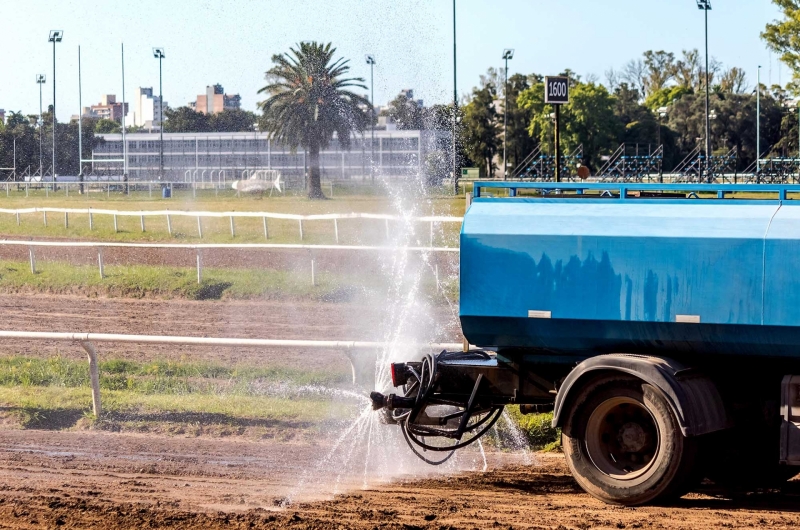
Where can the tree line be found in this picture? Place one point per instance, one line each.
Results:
(659, 97)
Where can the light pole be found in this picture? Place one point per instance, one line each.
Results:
(662, 113)
(507, 54)
(158, 53)
(455, 104)
(40, 80)
(371, 63)
(55, 36)
(705, 6)
(758, 122)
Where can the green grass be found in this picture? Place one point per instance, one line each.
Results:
(136, 281)
(537, 428)
(175, 397)
(217, 230)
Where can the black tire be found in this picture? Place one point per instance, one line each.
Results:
(623, 443)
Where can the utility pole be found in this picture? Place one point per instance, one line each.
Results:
(80, 126)
(124, 111)
(507, 54)
(758, 124)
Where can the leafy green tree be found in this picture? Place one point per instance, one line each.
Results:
(185, 119)
(105, 126)
(588, 119)
(407, 113)
(783, 37)
(666, 96)
(232, 120)
(309, 100)
(481, 129)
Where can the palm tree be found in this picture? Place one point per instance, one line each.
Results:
(309, 101)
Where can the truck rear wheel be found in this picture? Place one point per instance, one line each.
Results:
(623, 443)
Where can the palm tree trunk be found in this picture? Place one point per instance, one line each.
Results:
(314, 184)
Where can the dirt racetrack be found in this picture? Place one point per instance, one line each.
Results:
(101, 480)
(91, 479)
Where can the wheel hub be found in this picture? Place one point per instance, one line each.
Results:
(632, 438)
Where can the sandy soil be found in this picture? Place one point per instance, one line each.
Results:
(240, 319)
(101, 480)
(91, 479)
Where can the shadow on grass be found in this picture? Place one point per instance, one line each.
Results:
(45, 418)
(210, 291)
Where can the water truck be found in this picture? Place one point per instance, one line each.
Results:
(660, 323)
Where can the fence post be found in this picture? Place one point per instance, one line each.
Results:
(199, 227)
(6, 189)
(66, 219)
(169, 225)
(142, 220)
(108, 190)
(266, 232)
(100, 262)
(45, 218)
(17, 218)
(94, 376)
(32, 255)
(331, 188)
(199, 266)
(150, 189)
(26, 189)
(91, 221)
(233, 228)
(66, 187)
(336, 229)
(115, 223)
(313, 271)
(301, 229)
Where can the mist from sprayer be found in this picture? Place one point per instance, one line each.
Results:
(415, 310)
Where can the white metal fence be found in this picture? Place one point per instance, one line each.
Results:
(432, 220)
(87, 340)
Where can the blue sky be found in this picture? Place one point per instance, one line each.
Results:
(231, 42)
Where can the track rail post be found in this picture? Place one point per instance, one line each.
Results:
(199, 227)
(91, 220)
(18, 221)
(45, 217)
(301, 229)
(142, 222)
(66, 219)
(169, 225)
(32, 255)
(336, 229)
(94, 377)
(199, 266)
(233, 228)
(100, 262)
(266, 230)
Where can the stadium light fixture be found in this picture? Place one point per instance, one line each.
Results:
(158, 53)
(705, 7)
(508, 53)
(371, 62)
(56, 35)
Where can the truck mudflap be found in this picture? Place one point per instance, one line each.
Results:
(693, 397)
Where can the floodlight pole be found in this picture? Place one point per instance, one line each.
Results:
(371, 63)
(55, 36)
(159, 54)
(40, 80)
(455, 104)
(758, 123)
(124, 109)
(705, 6)
(160, 117)
(80, 122)
(507, 54)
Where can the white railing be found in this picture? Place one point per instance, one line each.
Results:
(199, 247)
(87, 340)
(199, 215)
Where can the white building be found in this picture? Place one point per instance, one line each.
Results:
(145, 109)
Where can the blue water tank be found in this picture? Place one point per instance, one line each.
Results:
(587, 276)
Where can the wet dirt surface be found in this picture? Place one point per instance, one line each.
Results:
(95, 479)
(102, 480)
(237, 319)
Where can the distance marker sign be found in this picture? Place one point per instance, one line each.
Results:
(556, 90)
